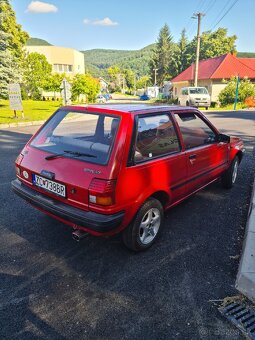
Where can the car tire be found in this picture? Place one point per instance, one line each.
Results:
(146, 226)
(187, 103)
(228, 179)
(206, 108)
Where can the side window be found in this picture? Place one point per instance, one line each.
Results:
(195, 131)
(155, 136)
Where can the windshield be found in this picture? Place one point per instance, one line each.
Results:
(77, 134)
(198, 90)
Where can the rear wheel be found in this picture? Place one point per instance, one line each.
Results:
(228, 179)
(145, 228)
(187, 103)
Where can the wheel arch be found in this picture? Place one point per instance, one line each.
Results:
(161, 196)
(239, 154)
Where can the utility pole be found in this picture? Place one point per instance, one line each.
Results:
(155, 75)
(198, 15)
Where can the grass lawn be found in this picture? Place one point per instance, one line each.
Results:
(33, 110)
(230, 107)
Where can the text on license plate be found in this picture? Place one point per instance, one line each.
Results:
(47, 184)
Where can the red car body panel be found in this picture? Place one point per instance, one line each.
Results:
(171, 177)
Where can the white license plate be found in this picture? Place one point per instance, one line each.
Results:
(47, 184)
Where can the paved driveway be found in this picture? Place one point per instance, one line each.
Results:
(52, 287)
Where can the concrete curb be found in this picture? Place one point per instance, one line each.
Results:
(245, 281)
(11, 125)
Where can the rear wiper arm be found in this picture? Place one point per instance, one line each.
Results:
(73, 153)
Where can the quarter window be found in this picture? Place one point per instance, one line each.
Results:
(194, 130)
(155, 136)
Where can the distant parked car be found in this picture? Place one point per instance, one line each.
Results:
(107, 96)
(145, 97)
(195, 96)
(101, 99)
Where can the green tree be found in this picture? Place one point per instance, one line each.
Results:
(6, 61)
(12, 41)
(53, 82)
(182, 57)
(116, 77)
(113, 72)
(213, 44)
(246, 89)
(129, 78)
(85, 84)
(143, 82)
(163, 56)
(37, 71)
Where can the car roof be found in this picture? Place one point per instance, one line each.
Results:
(130, 108)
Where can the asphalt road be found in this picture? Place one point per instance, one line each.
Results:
(52, 287)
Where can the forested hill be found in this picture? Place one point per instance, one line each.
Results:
(246, 55)
(98, 60)
(37, 42)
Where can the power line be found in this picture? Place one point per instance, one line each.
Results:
(210, 6)
(221, 10)
(228, 10)
(191, 26)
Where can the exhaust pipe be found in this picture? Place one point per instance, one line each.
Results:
(78, 235)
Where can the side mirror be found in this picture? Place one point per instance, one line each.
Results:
(221, 138)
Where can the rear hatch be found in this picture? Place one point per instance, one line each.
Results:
(70, 158)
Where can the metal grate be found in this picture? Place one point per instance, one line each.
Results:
(241, 316)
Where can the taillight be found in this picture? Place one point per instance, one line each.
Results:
(102, 192)
(19, 158)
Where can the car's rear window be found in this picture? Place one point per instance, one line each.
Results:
(81, 135)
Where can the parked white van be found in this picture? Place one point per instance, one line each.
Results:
(194, 96)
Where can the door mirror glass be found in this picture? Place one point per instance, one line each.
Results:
(221, 138)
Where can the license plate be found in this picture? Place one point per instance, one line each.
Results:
(51, 186)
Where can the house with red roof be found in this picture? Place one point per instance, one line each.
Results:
(212, 73)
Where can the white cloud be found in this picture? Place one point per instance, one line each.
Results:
(103, 22)
(41, 7)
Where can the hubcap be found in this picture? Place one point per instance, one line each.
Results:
(234, 175)
(149, 226)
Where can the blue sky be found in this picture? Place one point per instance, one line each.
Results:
(130, 24)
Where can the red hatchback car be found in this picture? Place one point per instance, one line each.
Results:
(116, 168)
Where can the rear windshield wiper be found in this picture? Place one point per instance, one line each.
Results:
(73, 153)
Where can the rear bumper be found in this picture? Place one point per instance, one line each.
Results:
(90, 220)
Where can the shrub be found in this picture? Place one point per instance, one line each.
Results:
(246, 89)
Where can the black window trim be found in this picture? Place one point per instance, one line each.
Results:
(197, 113)
(131, 155)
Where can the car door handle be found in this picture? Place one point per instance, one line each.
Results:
(192, 157)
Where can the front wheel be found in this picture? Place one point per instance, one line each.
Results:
(145, 228)
(228, 179)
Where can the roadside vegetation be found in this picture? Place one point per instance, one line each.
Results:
(33, 111)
